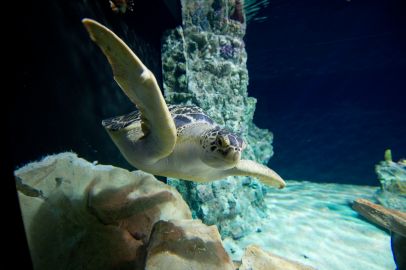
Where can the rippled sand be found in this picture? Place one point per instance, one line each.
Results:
(314, 224)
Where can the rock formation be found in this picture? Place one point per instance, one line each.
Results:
(186, 244)
(392, 176)
(78, 215)
(257, 259)
(204, 63)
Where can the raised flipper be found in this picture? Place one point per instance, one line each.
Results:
(259, 171)
(140, 85)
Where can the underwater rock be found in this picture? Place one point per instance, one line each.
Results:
(186, 244)
(78, 215)
(258, 259)
(391, 220)
(204, 63)
(392, 176)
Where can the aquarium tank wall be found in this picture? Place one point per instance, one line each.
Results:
(209, 134)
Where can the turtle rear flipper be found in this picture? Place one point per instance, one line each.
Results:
(140, 85)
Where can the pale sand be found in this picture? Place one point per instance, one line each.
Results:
(314, 224)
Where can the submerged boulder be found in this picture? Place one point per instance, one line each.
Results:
(78, 215)
(186, 244)
(257, 259)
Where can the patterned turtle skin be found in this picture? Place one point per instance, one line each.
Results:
(182, 115)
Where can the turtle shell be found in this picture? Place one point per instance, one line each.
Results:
(182, 115)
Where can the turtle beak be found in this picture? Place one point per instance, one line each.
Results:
(233, 156)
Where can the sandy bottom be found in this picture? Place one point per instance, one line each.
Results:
(314, 224)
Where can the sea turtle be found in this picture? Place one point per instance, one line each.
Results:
(176, 140)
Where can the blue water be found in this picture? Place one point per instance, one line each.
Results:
(330, 81)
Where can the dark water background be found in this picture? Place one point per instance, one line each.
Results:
(65, 83)
(330, 78)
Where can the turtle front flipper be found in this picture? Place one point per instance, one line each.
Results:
(259, 171)
(140, 85)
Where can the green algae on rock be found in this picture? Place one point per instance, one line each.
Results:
(204, 63)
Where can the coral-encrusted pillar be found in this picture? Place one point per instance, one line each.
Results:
(204, 63)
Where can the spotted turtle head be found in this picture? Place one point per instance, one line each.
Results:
(221, 148)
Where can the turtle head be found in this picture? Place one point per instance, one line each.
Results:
(221, 148)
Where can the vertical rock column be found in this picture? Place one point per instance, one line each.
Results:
(204, 63)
